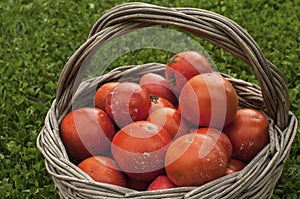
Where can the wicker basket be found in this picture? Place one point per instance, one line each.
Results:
(260, 176)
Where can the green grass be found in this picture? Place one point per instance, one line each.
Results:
(38, 36)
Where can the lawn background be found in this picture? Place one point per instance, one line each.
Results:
(37, 37)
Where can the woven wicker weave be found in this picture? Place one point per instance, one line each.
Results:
(260, 176)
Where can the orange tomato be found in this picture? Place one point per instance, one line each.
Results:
(183, 66)
(86, 132)
(127, 102)
(103, 169)
(101, 94)
(161, 182)
(208, 100)
(219, 136)
(170, 119)
(248, 134)
(195, 159)
(139, 149)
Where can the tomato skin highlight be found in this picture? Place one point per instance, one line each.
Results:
(86, 132)
(183, 66)
(127, 102)
(103, 169)
(195, 159)
(139, 149)
(248, 134)
(208, 100)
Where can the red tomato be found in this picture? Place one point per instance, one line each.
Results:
(86, 132)
(161, 182)
(248, 134)
(208, 100)
(127, 102)
(158, 86)
(234, 165)
(195, 159)
(103, 169)
(170, 119)
(101, 94)
(219, 136)
(159, 102)
(183, 66)
(137, 184)
(139, 149)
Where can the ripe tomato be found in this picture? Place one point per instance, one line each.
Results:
(234, 165)
(219, 136)
(159, 102)
(161, 182)
(139, 149)
(194, 159)
(127, 102)
(101, 94)
(248, 134)
(183, 66)
(208, 100)
(86, 132)
(158, 86)
(103, 169)
(170, 119)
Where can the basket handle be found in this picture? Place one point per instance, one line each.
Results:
(207, 25)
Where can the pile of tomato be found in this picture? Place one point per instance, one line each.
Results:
(181, 129)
